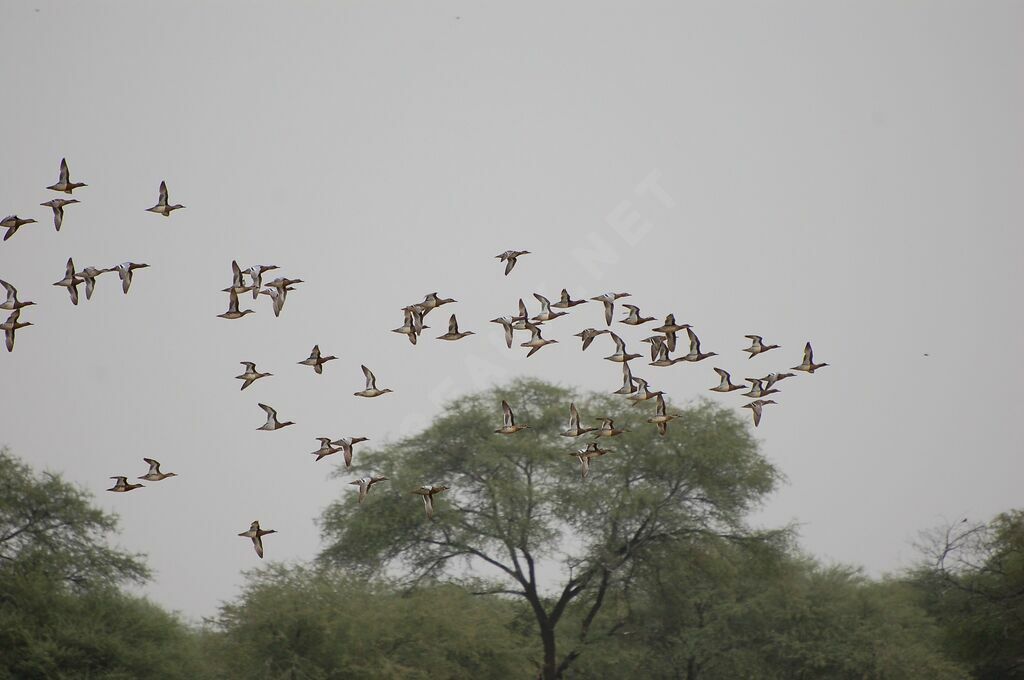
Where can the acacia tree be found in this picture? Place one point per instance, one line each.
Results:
(518, 507)
(50, 527)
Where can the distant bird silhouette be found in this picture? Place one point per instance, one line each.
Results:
(257, 534)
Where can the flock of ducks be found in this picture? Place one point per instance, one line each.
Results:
(663, 344)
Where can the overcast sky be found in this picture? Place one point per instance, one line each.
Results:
(845, 173)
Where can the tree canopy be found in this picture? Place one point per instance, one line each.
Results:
(517, 503)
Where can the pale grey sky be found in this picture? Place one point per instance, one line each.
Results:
(845, 173)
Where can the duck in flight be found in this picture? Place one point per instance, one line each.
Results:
(64, 183)
(756, 390)
(124, 271)
(695, 353)
(510, 257)
(608, 300)
(89, 276)
(755, 407)
(620, 356)
(345, 445)
(574, 429)
(643, 392)
(272, 421)
(256, 273)
(566, 302)
(371, 385)
(536, 341)
(661, 418)
(70, 281)
(757, 346)
(628, 382)
(316, 360)
(121, 485)
(545, 309)
(608, 428)
(233, 311)
(808, 364)
(257, 534)
(57, 205)
(12, 303)
(428, 493)
(162, 206)
(508, 425)
(634, 318)
(251, 375)
(326, 449)
(670, 328)
(365, 483)
(12, 223)
(726, 384)
(10, 326)
(592, 450)
(154, 474)
(453, 331)
(588, 335)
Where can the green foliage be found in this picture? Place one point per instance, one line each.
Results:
(516, 500)
(61, 615)
(973, 584)
(49, 526)
(305, 623)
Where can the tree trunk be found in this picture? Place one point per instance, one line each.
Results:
(547, 636)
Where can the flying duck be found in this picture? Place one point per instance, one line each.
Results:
(70, 281)
(257, 534)
(277, 296)
(346, 444)
(566, 302)
(154, 474)
(808, 362)
(251, 375)
(453, 331)
(124, 270)
(574, 424)
(233, 312)
(272, 422)
(663, 359)
(432, 301)
(620, 356)
(365, 483)
(508, 420)
(316, 361)
(64, 183)
(661, 418)
(10, 326)
(408, 328)
(428, 493)
(584, 455)
(755, 407)
(726, 384)
(57, 205)
(643, 392)
(88, 275)
(695, 353)
(628, 386)
(633, 318)
(608, 428)
(12, 223)
(535, 342)
(11, 303)
(545, 309)
(509, 257)
(656, 341)
(162, 207)
(371, 385)
(121, 485)
(326, 449)
(506, 323)
(588, 335)
(757, 346)
(237, 284)
(773, 378)
(670, 328)
(756, 391)
(256, 273)
(608, 300)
